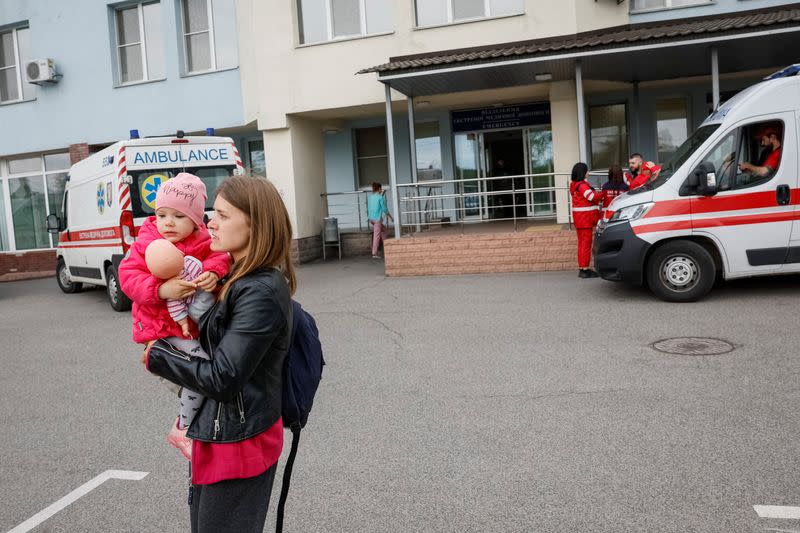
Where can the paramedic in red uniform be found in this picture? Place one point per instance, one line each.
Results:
(585, 213)
(772, 161)
(640, 171)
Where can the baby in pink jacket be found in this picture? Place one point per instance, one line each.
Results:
(180, 207)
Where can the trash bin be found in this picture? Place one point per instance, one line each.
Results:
(330, 235)
(331, 231)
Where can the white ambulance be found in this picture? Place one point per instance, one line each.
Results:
(725, 206)
(110, 194)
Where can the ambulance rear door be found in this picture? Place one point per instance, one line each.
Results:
(149, 166)
(751, 215)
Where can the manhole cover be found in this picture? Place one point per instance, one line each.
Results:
(693, 346)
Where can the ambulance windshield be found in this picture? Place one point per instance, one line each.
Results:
(146, 183)
(680, 156)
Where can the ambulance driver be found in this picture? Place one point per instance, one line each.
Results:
(237, 435)
(770, 165)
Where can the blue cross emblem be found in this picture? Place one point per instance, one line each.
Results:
(150, 187)
(101, 198)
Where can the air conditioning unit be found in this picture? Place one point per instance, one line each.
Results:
(39, 71)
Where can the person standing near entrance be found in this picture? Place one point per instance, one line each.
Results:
(585, 213)
(376, 209)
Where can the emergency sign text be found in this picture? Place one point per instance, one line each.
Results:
(176, 156)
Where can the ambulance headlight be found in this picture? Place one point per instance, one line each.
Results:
(630, 213)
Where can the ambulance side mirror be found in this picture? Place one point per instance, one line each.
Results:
(704, 179)
(53, 224)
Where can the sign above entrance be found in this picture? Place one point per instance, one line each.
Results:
(498, 118)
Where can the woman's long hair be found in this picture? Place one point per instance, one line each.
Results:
(615, 174)
(270, 228)
(579, 171)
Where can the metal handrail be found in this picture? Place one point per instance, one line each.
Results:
(492, 178)
(484, 193)
(357, 194)
(420, 216)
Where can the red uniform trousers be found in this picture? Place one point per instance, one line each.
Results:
(584, 246)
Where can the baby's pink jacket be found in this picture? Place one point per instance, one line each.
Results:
(151, 319)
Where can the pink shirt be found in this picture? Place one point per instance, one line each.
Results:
(213, 462)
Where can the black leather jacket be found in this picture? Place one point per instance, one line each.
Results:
(247, 335)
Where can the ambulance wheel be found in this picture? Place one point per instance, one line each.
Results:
(116, 297)
(681, 271)
(64, 282)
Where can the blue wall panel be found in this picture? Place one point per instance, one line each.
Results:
(86, 106)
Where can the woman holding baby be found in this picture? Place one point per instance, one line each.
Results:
(229, 365)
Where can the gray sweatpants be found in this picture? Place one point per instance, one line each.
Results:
(190, 400)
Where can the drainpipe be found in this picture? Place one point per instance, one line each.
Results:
(392, 170)
(581, 113)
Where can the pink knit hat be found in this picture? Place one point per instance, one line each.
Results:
(185, 193)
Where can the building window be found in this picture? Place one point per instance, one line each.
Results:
(372, 161)
(328, 20)
(644, 5)
(258, 163)
(209, 35)
(429, 151)
(672, 125)
(140, 43)
(4, 244)
(609, 135)
(35, 189)
(14, 51)
(437, 12)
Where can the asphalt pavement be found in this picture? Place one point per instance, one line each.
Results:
(517, 402)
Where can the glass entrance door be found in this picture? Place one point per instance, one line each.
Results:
(539, 160)
(477, 156)
(469, 168)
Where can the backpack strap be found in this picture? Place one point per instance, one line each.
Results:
(287, 476)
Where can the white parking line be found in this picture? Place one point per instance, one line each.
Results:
(83, 490)
(777, 511)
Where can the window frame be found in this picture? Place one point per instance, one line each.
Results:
(5, 182)
(627, 136)
(146, 77)
(17, 65)
(358, 157)
(362, 15)
(451, 20)
(668, 6)
(688, 106)
(212, 41)
(439, 139)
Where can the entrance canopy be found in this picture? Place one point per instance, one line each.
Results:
(732, 42)
(743, 41)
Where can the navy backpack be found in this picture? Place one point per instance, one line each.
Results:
(302, 373)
